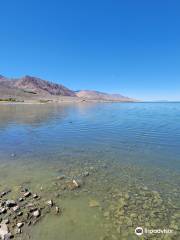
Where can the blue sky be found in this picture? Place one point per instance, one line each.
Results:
(131, 47)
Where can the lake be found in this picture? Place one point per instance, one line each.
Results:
(125, 157)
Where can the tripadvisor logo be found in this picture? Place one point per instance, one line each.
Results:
(139, 231)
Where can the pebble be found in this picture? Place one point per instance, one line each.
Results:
(35, 195)
(10, 203)
(5, 221)
(18, 231)
(27, 194)
(50, 203)
(76, 184)
(20, 224)
(85, 174)
(3, 210)
(3, 231)
(16, 208)
(19, 213)
(13, 155)
(57, 209)
(93, 203)
(61, 177)
(36, 213)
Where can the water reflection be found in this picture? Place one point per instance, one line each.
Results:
(35, 114)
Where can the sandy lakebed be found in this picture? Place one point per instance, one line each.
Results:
(89, 170)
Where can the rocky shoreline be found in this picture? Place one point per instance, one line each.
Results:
(122, 210)
(26, 210)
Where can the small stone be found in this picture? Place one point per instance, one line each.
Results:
(27, 194)
(23, 189)
(10, 203)
(50, 203)
(93, 203)
(35, 195)
(76, 184)
(57, 210)
(5, 221)
(106, 214)
(30, 205)
(20, 224)
(3, 210)
(2, 194)
(32, 209)
(16, 208)
(3, 231)
(29, 223)
(60, 177)
(19, 213)
(18, 231)
(20, 199)
(8, 236)
(85, 174)
(72, 185)
(36, 213)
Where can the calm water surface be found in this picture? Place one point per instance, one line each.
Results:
(127, 148)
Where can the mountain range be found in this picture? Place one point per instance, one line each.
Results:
(33, 88)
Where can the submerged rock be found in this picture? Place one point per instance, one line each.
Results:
(72, 185)
(85, 174)
(20, 224)
(3, 231)
(16, 208)
(36, 213)
(35, 196)
(93, 203)
(5, 221)
(76, 183)
(57, 210)
(61, 177)
(10, 203)
(27, 194)
(21, 199)
(3, 210)
(18, 230)
(50, 203)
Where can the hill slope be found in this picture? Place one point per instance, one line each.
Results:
(30, 86)
(33, 88)
(95, 95)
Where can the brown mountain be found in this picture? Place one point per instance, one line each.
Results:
(33, 88)
(40, 86)
(95, 95)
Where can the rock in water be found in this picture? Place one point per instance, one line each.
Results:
(27, 194)
(3, 231)
(93, 203)
(50, 203)
(36, 213)
(10, 203)
(76, 184)
(57, 210)
(19, 225)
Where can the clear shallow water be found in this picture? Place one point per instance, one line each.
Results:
(124, 146)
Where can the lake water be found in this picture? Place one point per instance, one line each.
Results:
(131, 152)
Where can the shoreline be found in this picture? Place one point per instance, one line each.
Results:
(48, 101)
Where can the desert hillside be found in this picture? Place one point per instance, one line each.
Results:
(95, 95)
(33, 88)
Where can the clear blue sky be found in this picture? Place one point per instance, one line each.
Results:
(130, 46)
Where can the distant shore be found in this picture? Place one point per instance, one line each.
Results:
(55, 100)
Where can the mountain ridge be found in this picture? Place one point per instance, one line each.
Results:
(30, 87)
